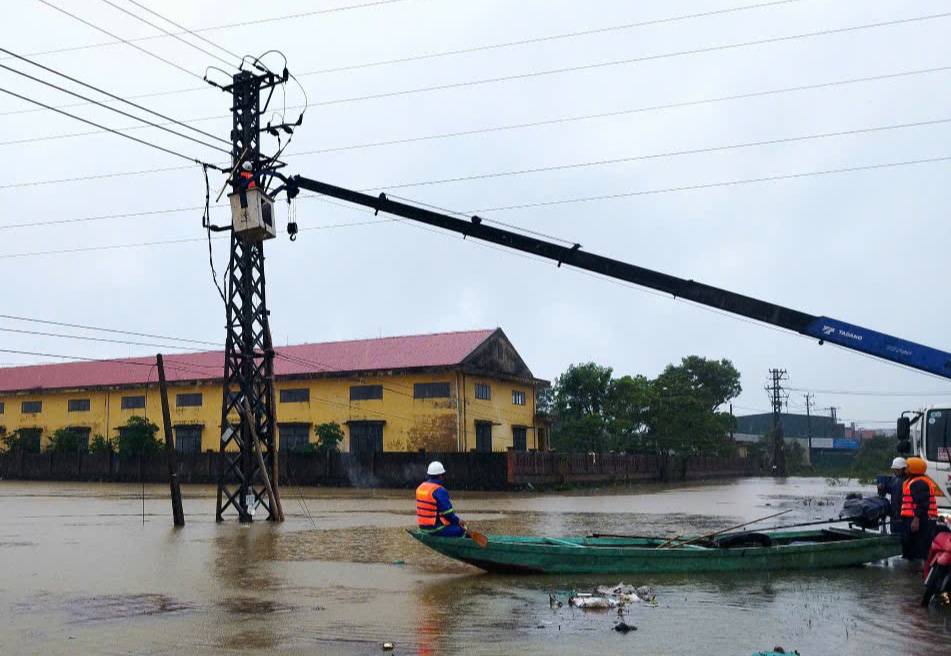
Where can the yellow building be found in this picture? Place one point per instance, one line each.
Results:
(458, 391)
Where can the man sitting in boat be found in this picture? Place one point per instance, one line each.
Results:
(434, 512)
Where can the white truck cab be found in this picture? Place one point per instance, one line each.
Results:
(928, 436)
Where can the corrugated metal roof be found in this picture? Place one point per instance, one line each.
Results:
(408, 352)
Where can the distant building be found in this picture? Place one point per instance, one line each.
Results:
(459, 391)
(829, 443)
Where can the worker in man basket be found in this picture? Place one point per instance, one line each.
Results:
(893, 486)
(434, 512)
(919, 510)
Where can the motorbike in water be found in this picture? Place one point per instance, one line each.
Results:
(937, 572)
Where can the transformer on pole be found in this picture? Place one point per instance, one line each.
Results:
(247, 398)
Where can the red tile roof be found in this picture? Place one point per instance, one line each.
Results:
(413, 351)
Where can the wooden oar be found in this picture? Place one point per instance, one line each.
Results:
(725, 530)
(673, 539)
(477, 537)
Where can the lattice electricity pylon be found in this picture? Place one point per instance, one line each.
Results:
(247, 345)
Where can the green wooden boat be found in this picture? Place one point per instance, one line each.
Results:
(811, 549)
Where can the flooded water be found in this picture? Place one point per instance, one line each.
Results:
(92, 569)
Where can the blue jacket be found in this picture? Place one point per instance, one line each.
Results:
(443, 504)
(894, 489)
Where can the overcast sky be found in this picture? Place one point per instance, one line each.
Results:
(868, 247)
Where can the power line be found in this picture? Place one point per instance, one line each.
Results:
(90, 339)
(518, 126)
(259, 21)
(86, 359)
(713, 185)
(103, 127)
(88, 249)
(584, 67)
(551, 37)
(11, 317)
(114, 109)
(676, 153)
(119, 38)
(171, 120)
(166, 32)
(184, 29)
(866, 393)
(572, 165)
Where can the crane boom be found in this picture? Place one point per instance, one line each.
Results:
(824, 329)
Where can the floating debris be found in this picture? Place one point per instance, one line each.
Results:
(554, 603)
(624, 627)
(387, 646)
(587, 601)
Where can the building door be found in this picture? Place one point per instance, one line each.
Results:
(483, 437)
(188, 439)
(518, 438)
(366, 436)
(294, 437)
(82, 436)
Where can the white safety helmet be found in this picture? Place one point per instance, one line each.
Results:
(435, 469)
(899, 463)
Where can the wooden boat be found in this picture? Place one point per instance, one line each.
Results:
(812, 549)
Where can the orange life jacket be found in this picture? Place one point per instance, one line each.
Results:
(427, 512)
(247, 175)
(908, 505)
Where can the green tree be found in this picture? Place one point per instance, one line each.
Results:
(329, 437)
(874, 457)
(65, 440)
(23, 440)
(684, 415)
(99, 444)
(138, 438)
(579, 398)
(626, 408)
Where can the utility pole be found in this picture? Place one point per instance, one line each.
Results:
(247, 404)
(809, 423)
(777, 396)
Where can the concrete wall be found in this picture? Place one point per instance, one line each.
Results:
(481, 471)
(445, 424)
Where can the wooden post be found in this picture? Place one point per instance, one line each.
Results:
(178, 515)
(257, 451)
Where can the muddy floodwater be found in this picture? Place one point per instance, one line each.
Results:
(92, 569)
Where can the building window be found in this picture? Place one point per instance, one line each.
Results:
(77, 405)
(82, 436)
(188, 439)
(132, 402)
(431, 391)
(519, 438)
(366, 392)
(518, 397)
(294, 437)
(1, 407)
(187, 400)
(366, 436)
(300, 395)
(483, 437)
(483, 392)
(31, 407)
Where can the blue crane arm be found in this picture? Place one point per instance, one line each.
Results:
(880, 345)
(824, 329)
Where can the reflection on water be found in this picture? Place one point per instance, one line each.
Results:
(81, 573)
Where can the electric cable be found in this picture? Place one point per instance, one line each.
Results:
(119, 38)
(166, 32)
(116, 110)
(596, 65)
(87, 359)
(91, 339)
(11, 317)
(103, 127)
(713, 185)
(171, 120)
(258, 21)
(184, 29)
